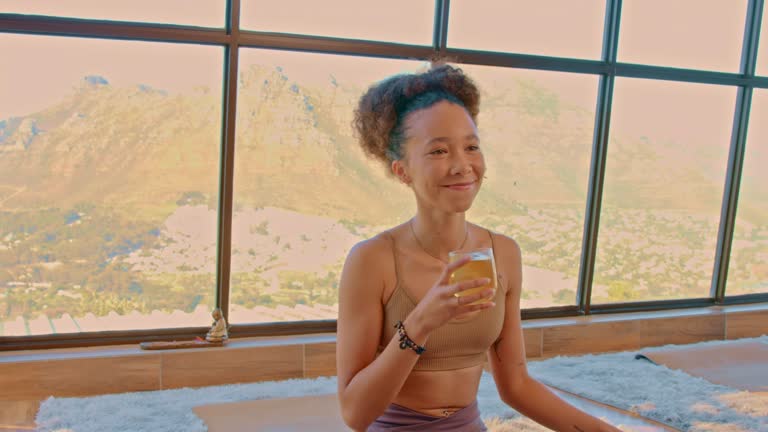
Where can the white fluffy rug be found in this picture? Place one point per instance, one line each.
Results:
(669, 396)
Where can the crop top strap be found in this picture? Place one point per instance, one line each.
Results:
(394, 255)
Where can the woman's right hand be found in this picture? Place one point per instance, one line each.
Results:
(440, 304)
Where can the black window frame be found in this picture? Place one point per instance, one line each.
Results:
(232, 38)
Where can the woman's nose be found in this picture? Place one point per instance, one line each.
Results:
(461, 165)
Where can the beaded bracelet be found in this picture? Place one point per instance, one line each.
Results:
(405, 341)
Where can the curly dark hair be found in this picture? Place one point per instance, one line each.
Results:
(380, 115)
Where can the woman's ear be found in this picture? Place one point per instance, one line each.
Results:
(399, 171)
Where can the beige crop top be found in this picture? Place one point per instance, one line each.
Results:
(455, 345)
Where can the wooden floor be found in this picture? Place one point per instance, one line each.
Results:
(27, 378)
(321, 413)
(16, 428)
(607, 413)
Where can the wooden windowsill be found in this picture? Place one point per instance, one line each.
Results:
(276, 341)
(135, 350)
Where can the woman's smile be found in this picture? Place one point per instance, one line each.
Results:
(460, 186)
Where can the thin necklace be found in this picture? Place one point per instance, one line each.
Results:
(466, 236)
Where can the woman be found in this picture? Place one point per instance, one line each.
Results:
(410, 353)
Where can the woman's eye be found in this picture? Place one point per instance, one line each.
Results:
(438, 151)
(473, 148)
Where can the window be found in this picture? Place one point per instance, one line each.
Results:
(748, 268)
(665, 171)
(402, 21)
(205, 13)
(683, 33)
(536, 129)
(305, 193)
(551, 27)
(109, 156)
(762, 47)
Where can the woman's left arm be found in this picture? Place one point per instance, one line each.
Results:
(507, 360)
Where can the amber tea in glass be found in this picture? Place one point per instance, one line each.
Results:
(480, 266)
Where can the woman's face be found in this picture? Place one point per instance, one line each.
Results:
(442, 162)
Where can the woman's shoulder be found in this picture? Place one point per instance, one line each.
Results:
(373, 248)
(368, 266)
(505, 245)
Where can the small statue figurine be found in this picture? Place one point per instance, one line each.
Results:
(218, 331)
(215, 337)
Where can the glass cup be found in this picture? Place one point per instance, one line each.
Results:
(481, 265)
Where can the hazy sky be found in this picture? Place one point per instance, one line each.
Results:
(402, 21)
(756, 156)
(44, 69)
(696, 34)
(209, 13)
(39, 70)
(547, 27)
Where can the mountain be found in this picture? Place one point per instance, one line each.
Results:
(112, 146)
(141, 148)
(110, 194)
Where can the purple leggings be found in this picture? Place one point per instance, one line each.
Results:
(397, 418)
